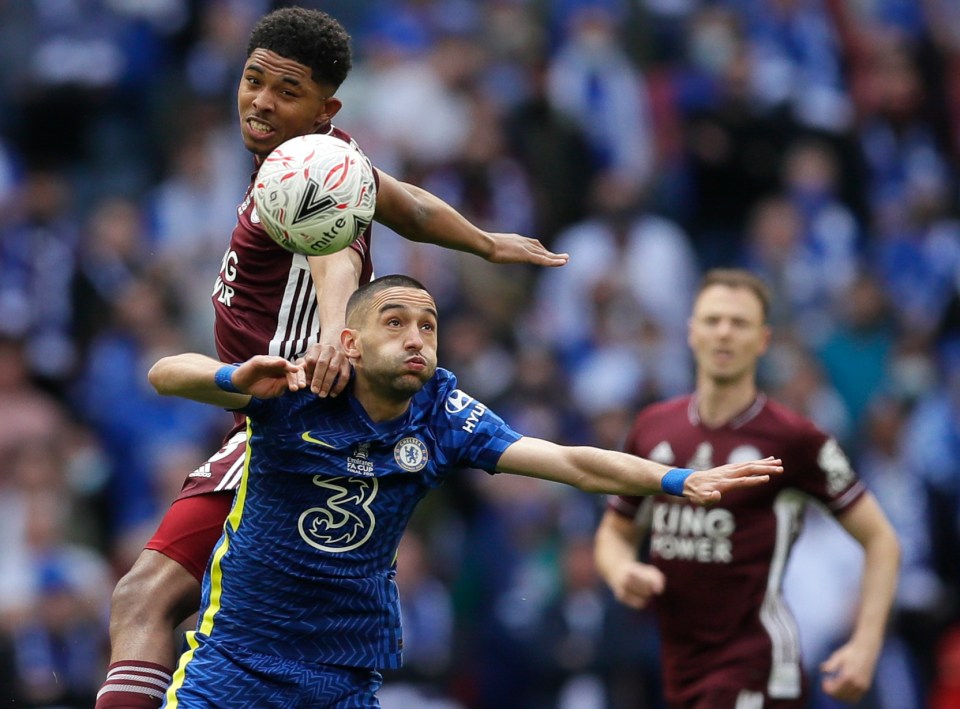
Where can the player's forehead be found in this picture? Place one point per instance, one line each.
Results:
(272, 65)
(400, 298)
(721, 299)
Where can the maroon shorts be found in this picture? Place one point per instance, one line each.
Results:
(193, 524)
(222, 471)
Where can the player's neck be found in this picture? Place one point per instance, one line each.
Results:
(719, 402)
(378, 408)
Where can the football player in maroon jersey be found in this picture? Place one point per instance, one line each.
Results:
(715, 574)
(269, 301)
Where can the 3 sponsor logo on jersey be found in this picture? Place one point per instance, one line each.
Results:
(345, 519)
(411, 454)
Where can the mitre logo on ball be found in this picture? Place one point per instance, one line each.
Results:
(315, 194)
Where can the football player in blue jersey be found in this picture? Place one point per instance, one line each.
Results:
(299, 602)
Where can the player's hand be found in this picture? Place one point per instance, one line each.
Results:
(327, 368)
(848, 672)
(705, 487)
(267, 377)
(514, 248)
(635, 584)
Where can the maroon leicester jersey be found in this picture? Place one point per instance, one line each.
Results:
(264, 301)
(723, 620)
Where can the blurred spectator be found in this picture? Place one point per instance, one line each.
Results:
(626, 265)
(921, 596)
(589, 650)
(732, 146)
(902, 145)
(427, 609)
(53, 592)
(132, 422)
(593, 82)
(27, 413)
(917, 254)
(114, 254)
(84, 82)
(797, 61)
(554, 149)
(805, 242)
(38, 254)
(796, 379)
(220, 48)
(858, 353)
(932, 443)
(192, 212)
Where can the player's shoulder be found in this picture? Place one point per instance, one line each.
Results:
(783, 416)
(437, 392)
(344, 136)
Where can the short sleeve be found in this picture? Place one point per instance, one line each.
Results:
(470, 434)
(826, 472)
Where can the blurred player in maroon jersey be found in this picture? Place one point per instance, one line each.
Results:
(715, 574)
(269, 301)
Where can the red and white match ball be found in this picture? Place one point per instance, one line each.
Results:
(315, 194)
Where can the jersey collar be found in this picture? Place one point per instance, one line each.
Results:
(745, 416)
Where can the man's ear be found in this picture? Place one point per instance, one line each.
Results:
(350, 341)
(331, 107)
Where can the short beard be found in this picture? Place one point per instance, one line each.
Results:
(400, 388)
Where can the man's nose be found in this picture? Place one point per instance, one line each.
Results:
(414, 338)
(262, 100)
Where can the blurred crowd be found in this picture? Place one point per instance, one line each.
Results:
(814, 141)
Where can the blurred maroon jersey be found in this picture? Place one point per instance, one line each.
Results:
(722, 617)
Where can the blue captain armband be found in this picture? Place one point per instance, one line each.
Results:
(224, 378)
(672, 482)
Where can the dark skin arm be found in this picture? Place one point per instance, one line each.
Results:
(418, 215)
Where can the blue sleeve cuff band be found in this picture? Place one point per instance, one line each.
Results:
(672, 482)
(224, 378)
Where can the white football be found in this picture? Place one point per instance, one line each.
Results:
(315, 194)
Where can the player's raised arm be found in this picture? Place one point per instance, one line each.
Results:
(418, 215)
(209, 381)
(335, 278)
(597, 470)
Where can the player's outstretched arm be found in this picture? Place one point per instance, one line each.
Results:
(597, 470)
(209, 381)
(418, 215)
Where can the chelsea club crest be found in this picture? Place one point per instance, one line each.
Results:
(411, 454)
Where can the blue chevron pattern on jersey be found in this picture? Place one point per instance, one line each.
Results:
(224, 676)
(305, 568)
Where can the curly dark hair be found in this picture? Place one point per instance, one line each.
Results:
(309, 37)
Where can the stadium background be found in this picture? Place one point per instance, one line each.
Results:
(814, 141)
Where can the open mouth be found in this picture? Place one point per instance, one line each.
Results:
(258, 128)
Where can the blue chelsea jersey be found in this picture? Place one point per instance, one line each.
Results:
(305, 567)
